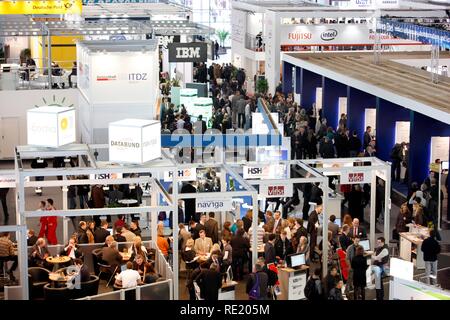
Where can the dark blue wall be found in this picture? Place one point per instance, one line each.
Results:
(387, 114)
(332, 90)
(357, 102)
(287, 78)
(422, 129)
(309, 82)
(298, 79)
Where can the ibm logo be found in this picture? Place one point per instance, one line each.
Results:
(188, 53)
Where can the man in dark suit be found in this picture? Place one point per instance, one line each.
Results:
(367, 136)
(195, 229)
(85, 275)
(31, 238)
(357, 230)
(199, 125)
(334, 228)
(312, 228)
(344, 239)
(269, 249)
(39, 253)
(283, 246)
(101, 233)
(212, 228)
(112, 256)
(189, 204)
(278, 221)
(210, 282)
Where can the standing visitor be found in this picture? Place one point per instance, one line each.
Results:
(431, 248)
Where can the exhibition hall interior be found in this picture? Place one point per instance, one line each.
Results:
(224, 150)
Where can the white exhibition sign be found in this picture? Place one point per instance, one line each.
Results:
(183, 175)
(238, 25)
(401, 289)
(197, 106)
(51, 126)
(402, 131)
(105, 176)
(400, 268)
(213, 205)
(264, 172)
(276, 190)
(134, 140)
(319, 92)
(333, 34)
(258, 124)
(439, 148)
(370, 119)
(297, 285)
(348, 177)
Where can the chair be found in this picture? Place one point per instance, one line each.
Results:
(38, 278)
(393, 248)
(96, 257)
(4, 268)
(62, 293)
(108, 269)
(88, 288)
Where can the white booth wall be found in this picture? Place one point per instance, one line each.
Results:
(13, 113)
(114, 86)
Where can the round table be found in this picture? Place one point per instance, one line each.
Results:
(57, 260)
(125, 256)
(128, 202)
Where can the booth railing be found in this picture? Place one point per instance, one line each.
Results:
(161, 290)
(161, 264)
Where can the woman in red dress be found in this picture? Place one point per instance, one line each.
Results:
(52, 223)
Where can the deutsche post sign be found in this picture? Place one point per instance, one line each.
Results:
(41, 7)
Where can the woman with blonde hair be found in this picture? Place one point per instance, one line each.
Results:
(137, 249)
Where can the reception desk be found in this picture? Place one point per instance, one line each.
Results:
(410, 245)
(292, 283)
(228, 291)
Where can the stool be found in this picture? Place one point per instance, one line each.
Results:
(393, 248)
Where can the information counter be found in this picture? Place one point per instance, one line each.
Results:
(228, 291)
(411, 248)
(292, 283)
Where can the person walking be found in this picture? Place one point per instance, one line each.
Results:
(257, 284)
(431, 248)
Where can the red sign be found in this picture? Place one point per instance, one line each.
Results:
(356, 177)
(275, 190)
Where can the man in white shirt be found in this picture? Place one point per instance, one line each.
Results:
(379, 260)
(260, 232)
(128, 278)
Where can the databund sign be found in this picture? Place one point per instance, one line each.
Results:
(134, 140)
(213, 205)
(276, 190)
(188, 52)
(355, 177)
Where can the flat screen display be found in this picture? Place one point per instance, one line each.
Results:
(297, 260)
(365, 244)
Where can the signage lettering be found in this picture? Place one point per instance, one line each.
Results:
(211, 205)
(275, 190)
(137, 76)
(329, 35)
(356, 177)
(125, 144)
(41, 7)
(188, 52)
(300, 36)
(255, 170)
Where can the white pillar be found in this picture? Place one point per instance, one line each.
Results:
(387, 203)
(175, 266)
(373, 194)
(254, 242)
(325, 228)
(65, 219)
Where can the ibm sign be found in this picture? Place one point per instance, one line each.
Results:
(188, 52)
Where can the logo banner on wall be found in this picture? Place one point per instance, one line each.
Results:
(41, 7)
(356, 177)
(213, 205)
(183, 175)
(188, 52)
(276, 190)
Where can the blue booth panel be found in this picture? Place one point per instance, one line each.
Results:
(309, 82)
(332, 90)
(288, 84)
(357, 103)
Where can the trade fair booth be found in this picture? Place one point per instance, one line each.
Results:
(116, 80)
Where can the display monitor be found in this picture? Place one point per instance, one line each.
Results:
(110, 230)
(365, 244)
(445, 165)
(338, 222)
(296, 260)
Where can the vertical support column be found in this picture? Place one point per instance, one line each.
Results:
(49, 60)
(65, 207)
(287, 78)
(373, 193)
(387, 203)
(435, 63)
(254, 243)
(324, 186)
(175, 265)
(22, 241)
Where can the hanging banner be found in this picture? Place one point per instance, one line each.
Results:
(213, 205)
(183, 175)
(41, 7)
(356, 177)
(276, 190)
(264, 172)
(188, 52)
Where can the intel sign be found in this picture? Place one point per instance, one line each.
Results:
(329, 35)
